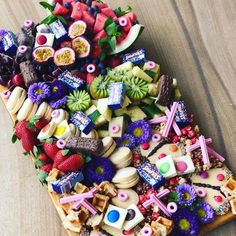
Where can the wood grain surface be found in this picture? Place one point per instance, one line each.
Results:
(194, 41)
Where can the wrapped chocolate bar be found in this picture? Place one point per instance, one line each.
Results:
(136, 57)
(9, 42)
(116, 95)
(24, 39)
(67, 182)
(72, 81)
(58, 30)
(151, 175)
(28, 27)
(181, 115)
(86, 145)
(82, 121)
(23, 53)
(28, 73)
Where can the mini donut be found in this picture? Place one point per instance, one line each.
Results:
(32, 113)
(16, 100)
(133, 198)
(41, 110)
(25, 110)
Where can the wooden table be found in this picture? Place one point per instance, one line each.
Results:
(193, 41)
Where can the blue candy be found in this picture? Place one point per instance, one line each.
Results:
(58, 29)
(136, 57)
(116, 95)
(9, 42)
(181, 115)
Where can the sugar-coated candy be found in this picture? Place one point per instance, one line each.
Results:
(151, 175)
(72, 81)
(82, 121)
(67, 182)
(181, 115)
(137, 57)
(58, 29)
(116, 95)
(9, 42)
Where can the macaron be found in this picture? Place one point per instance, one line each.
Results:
(109, 146)
(125, 197)
(74, 130)
(16, 100)
(25, 110)
(48, 113)
(47, 131)
(32, 113)
(59, 115)
(124, 175)
(121, 157)
(42, 109)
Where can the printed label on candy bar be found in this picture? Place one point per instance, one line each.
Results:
(67, 182)
(181, 115)
(73, 81)
(58, 29)
(137, 57)
(9, 42)
(116, 95)
(82, 121)
(151, 175)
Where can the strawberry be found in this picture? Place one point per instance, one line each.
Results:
(59, 158)
(51, 149)
(21, 128)
(72, 163)
(41, 123)
(28, 141)
(44, 158)
(47, 168)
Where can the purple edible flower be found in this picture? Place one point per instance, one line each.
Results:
(38, 92)
(126, 140)
(205, 213)
(58, 90)
(186, 194)
(99, 169)
(141, 131)
(185, 223)
(58, 103)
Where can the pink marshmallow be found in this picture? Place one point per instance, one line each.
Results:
(197, 145)
(157, 120)
(215, 154)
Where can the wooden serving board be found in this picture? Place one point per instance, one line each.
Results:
(220, 220)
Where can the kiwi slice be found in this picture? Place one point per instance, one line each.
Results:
(119, 75)
(78, 100)
(99, 87)
(136, 88)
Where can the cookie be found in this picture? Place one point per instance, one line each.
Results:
(124, 175)
(125, 197)
(109, 146)
(128, 184)
(121, 157)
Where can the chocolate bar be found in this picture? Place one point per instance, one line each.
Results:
(24, 39)
(151, 175)
(116, 95)
(67, 182)
(58, 29)
(9, 42)
(28, 73)
(136, 57)
(86, 145)
(82, 121)
(72, 81)
(181, 115)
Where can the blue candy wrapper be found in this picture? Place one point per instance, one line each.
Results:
(136, 57)
(72, 81)
(151, 175)
(116, 95)
(181, 115)
(9, 42)
(67, 182)
(82, 121)
(58, 29)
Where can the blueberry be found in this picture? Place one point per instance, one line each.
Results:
(87, 60)
(96, 8)
(88, 2)
(95, 61)
(83, 70)
(136, 22)
(68, 18)
(91, 10)
(67, 5)
(78, 0)
(117, 22)
(54, 4)
(100, 66)
(103, 72)
(95, 13)
(120, 28)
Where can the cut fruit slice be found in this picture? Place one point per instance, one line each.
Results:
(127, 66)
(60, 10)
(99, 35)
(43, 54)
(64, 57)
(132, 36)
(89, 19)
(141, 74)
(109, 12)
(78, 28)
(99, 24)
(100, 5)
(81, 46)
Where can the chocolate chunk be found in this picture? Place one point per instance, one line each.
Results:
(28, 73)
(164, 90)
(86, 145)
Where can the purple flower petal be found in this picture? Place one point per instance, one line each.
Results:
(186, 194)
(38, 92)
(127, 140)
(59, 103)
(205, 213)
